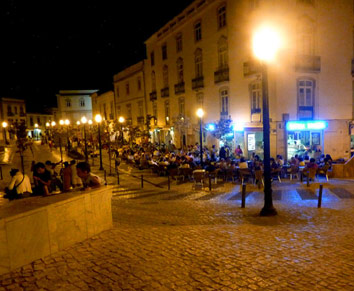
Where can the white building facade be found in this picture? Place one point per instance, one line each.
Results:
(203, 58)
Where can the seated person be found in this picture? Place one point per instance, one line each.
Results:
(301, 162)
(19, 186)
(89, 180)
(42, 180)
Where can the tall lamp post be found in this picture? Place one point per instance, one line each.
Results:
(266, 43)
(121, 121)
(200, 114)
(36, 131)
(98, 119)
(4, 125)
(84, 121)
(67, 123)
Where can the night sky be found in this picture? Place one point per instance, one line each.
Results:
(53, 45)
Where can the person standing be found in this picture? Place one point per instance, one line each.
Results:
(67, 174)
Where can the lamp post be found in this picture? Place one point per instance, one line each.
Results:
(121, 121)
(4, 125)
(266, 43)
(98, 119)
(67, 123)
(84, 121)
(36, 130)
(200, 114)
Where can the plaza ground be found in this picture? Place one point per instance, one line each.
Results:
(193, 239)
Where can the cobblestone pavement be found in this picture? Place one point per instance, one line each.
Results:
(186, 239)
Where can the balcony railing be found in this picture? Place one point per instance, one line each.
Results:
(179, 88)
(256, 110)
(305, 63)
(224, 115)
(221, 75)
(251, 68)
(153, 96)
(140, 119)
(198, 83)
(165, 92)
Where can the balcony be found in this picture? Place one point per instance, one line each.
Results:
(224, 115)
(256, 110)
(179, 88)
(198, 83)
(129, 121)
(308, 64)
(165, 92)
(9, 113)
(153, 96)
(221, 75)
(251, 68)
(140, 119)
(111, 116)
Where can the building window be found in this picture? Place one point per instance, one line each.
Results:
(165, 76)
(305, 37)
(256, 97)
(129, 110)
(127, 89)
(179, 42)
(152, 58)
(181, 106)
(153, 81)
(224, 102)
(198, 31)
(164, 51)
(140, 108)
(154, 110)
(39, 121)
(119, 110)
(82, 102)
(15, 107)
(200, 99)
(139, 83)
(167, 111)
(31, 121)
(306, 91)
(68, 102)
(223, 52)
(222, 16)
(198, 59)
(21, 110)
(180, 76)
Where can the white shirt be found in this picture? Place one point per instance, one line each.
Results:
(25, 186)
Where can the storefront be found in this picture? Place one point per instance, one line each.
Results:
(305, 137)
(251, 141)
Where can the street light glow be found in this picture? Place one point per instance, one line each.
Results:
(4, 124)
(47, 124)
(98, 118)
(78, 122)
(61, 122)
(266, 43)
(67, 121)
(53, 123)
(83, 119)
(200, 112)
(121, 119)
(90, 122)
(36, 125)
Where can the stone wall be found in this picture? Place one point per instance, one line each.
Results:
(33, 228)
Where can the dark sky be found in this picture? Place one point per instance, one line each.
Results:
(53, 45)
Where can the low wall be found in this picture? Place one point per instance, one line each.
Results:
(36, 227)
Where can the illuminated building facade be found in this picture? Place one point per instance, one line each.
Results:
(203, 58)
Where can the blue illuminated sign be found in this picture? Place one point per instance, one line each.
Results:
(306, 125)
(211, 127)
(238, 127)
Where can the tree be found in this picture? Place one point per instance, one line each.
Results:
(223, 129)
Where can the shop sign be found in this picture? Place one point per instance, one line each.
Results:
(251, 142)
(306, 125)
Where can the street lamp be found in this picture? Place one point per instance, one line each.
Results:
(36, 130)
(4, 125)
(84, 121)
(67, 123)
(200, 114)
(266, 43)
(98, 119)
(121, 121)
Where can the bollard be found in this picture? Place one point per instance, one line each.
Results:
(308, 181)
(105, 175)
(243, 203)
(168, 182)
(209, 183)
(320, 197)
(118, 177)
(142, 181)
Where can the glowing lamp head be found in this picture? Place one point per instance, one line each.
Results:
(121, 119)
(98, 118)
(47, 124)
(67, 121)
(4, 124)
(36, 125)
(61, 122)
(200, 112)
(266, 43)
(53, 123)
(89, 122)
(83, 120)
(78, 123)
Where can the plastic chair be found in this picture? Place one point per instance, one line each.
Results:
(245, 174)
(294, 171)
(198, 177)
(323, 171)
